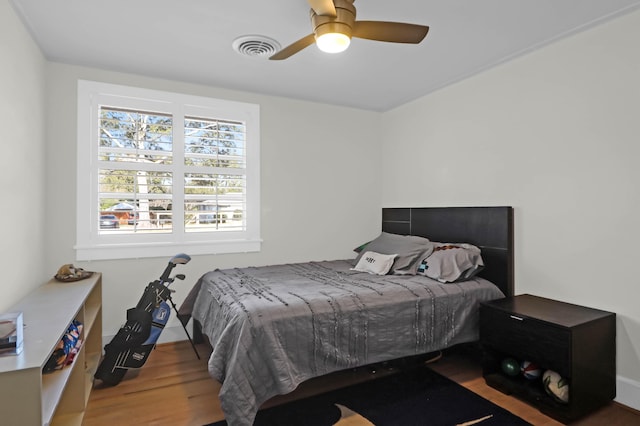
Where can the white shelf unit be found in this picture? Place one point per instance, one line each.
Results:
(29, 397)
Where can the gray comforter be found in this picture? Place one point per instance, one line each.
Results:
(273, 327)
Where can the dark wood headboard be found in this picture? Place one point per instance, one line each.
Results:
(490, 228)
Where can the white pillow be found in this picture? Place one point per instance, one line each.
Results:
(375, 263)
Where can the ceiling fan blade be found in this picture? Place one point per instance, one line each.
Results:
(294, 48)
(323, 7)
(394, 32)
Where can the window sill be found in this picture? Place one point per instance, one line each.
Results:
(129, 251)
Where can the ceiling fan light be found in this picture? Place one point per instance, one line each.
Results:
(333, 42)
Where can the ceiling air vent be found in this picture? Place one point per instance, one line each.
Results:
(256, 46)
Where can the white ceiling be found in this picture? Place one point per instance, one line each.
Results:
(190, 40)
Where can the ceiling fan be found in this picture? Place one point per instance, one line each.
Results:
(334, 23)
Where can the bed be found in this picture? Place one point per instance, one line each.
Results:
(273, 327)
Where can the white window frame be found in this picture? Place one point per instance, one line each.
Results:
(94, 245)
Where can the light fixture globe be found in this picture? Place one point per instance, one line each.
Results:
(333, 42)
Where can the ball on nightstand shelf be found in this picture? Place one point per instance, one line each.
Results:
(556, 386)
(530, 370)
(510, 367)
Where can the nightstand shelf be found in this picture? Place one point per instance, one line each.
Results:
(575, 341)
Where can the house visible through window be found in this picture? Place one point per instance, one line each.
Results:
(160, 173)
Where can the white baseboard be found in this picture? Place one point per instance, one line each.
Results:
(628, 392)
(169, 334)
(173, 334)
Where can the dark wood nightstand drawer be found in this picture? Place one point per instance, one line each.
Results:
(527, 338)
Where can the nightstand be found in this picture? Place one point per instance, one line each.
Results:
(577, 342)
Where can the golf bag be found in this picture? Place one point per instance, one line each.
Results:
(133, 343)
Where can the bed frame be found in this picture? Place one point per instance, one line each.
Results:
(490, 228)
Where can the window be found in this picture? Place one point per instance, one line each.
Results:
(161, 173)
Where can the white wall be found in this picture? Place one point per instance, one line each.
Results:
(320, 186)
(556, 135)
(22, 165)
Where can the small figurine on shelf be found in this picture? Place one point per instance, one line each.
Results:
(68, 273)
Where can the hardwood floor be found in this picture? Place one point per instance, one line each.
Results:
(174, 388)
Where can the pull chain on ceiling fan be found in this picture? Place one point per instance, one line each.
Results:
(334, 23)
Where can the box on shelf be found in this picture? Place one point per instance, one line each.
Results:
(11, 333)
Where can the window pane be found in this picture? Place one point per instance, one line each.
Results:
(214, 143)
(214, 202)
(140, 200)
(135, 136)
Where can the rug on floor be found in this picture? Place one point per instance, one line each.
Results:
(414, 397)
